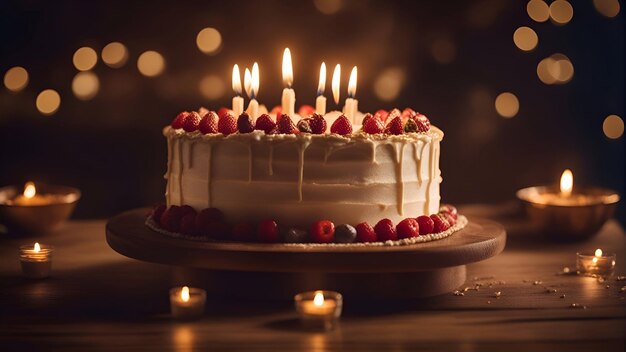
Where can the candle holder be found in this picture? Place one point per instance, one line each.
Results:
(36, 262)
(567, 219)
(319, 310)
(187, 303)
(592, 264)
(38, 218)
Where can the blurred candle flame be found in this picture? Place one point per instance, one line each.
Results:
(29, 190)
(352, 83)
(318, 300)
(322, 83)
(567, 182)
(247, 82)
(184, 294)
(236, 80)
(287, 68)
(255, 81)
(36, 247)
(598, 252)
(335, 83)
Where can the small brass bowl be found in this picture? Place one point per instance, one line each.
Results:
(37, 219)
(572, 222)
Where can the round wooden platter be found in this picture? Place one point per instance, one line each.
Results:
(127, 234)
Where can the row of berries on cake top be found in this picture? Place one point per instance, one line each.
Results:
(209, 223)
(388, 122)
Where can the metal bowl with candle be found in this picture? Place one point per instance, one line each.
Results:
(37, 208)
(566, 213)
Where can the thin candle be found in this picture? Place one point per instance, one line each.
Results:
(320, 101)
(251, 82)
(351, 107)
(237, 99)
(288, 101)
(335, 83)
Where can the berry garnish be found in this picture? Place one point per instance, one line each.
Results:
(318, 124)
(192, 122)
(441, 224)
(265, 123)
(170, 220)
(285, 125)
(385, 231)
(157, 213)
(179, 120)
(341, 126)
(209, 123)
(188, 224)
(267, 231)
(223, 112)
(408, 113)
(423, 124)
(218, 230)
(243, 232)
(382, 115)
(187, 209)
(202, 111)
(395, 126)
(408, 228)
(373, 126)
(294, 235)
(448, 208)
(426, 224)
(345, 233)
(306, 110)
(322, 231)
(227, 124)
(365, 118)
(393, 113)
(410, 126)
(365, 233)
(304, 125)
(449, 217)
(244, 123)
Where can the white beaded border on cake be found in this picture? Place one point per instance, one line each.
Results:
(460, 224)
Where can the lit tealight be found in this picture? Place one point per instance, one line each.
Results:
(16, 79)
(567, 183)
(115, 54)
(613, 127)
(151, 63)
(85, 85)
(561, 12)
(507, 105)
(48, 101)
(37, 247)
(209, 40)
(85, 58)
(318, 300)
(525, 38)
(184, 294)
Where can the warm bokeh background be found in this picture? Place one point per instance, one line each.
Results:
(449, 60)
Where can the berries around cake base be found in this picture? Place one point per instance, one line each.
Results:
(210, 223)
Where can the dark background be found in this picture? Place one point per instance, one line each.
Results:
(111, 147)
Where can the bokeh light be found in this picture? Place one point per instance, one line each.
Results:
(85, 85)
(389, 83)
(561, 12)
(613, 127)
(209, 41)
(507, 104)
(556, 69)
(538, 10)
(443, 50)
(85, 58)
(115, 54)
(328, 7)
(525, 38)
(151, 63)
(16, 79)
(608, 8)
(212, 87)
(48, 101)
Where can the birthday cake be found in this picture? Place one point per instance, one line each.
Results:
(318, 179)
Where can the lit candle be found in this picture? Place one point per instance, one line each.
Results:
(596, 264)
(335, 83)
(319, 309)
(36, 260)
(288, 101)
(30, 197)
(237, 99)
(567, 183)
(566, 196)
(320, 101)
(251, 81)
(352, 105)
(187, 303)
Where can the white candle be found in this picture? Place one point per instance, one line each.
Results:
(251, 81)
(352, 105)
(319, 309)
(187, 303)
(237, 99)
(288, 101)
(320, 101)
(36, 261)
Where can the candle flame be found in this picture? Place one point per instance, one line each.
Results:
(36, 247)
(255, 81)
(247, 82)
(29, 190)
(236, 80)
(335, 83)
(319, 298)
(322, 84)
(287, 68)
(594, 260)
(567, 182)
(184, 294)
(598, 252)
(352, 83)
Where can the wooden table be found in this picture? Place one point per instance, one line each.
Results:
(98, 299)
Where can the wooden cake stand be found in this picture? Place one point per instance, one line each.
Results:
(280, 271)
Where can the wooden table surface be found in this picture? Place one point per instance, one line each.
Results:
(100, 300)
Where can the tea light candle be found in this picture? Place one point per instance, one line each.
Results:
(237, 99)
(288, 101)
(319, 309)
(320, 101)
(36, 260)
(30, 197)
(598, 263)
(187, 303)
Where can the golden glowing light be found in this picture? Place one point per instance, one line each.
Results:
(85, 58)
(318, 300)
(255, 80)
(85, 85)
(443, 51)
(212, 87)
(556, 69)
(29, 190)
(247, 82)
(115, 54)
(16, 79)
(538, 10)
(598, 252)
(321, 86)
(507, 104)
(328, 7)
(525, 38)
(607, 8)
(151, 63)
(352, 83)
(37, 247)
(561, 11)
(336, 82)
(567, 182)
(209, 40)
(236, 80)
(287, 68)
(613, 126)
(184, 294)
(389, 83)
(48, 101)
